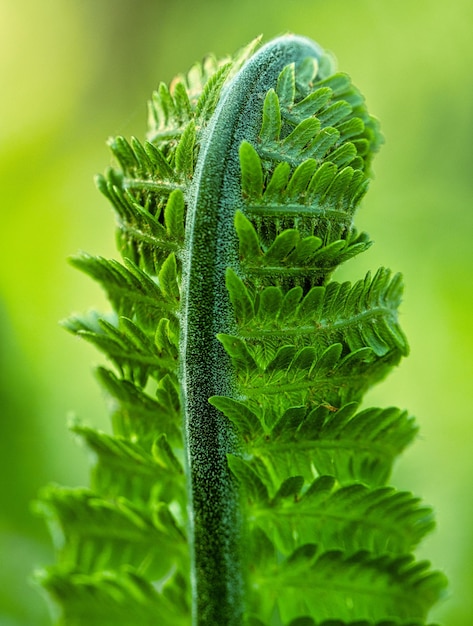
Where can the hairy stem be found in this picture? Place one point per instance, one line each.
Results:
(206, 370)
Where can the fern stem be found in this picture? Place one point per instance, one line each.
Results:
(206, 371)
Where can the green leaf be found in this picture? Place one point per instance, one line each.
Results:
(288, 423)
(311, 305)
(343, 155)
(130, 290)
(136, 415)
(329, 359)
(249, 481)
(323, 141)
(303, 134)
(339, 83)
(124, 153)
(270, 302)
(130, 349)
(321, 179)
(185, 151)
(350, 518)
(164, 455)
(116, 598)
(300, 179)
(168, 278)
(240, 297)
(251, 172)
(240, 415)
(210, 93)
(281, 246)
(312, 103)
(249, 244)
(278, 182)
(400, 586)
(282, 359)
(161, 167)
(88, 546)
(271, 126)
(290, 303)
(181, 100)
(174, 215)
(335, 113)
(286, 86)
(237, 350)
(290, 488)
(126, 469)
(305, 251)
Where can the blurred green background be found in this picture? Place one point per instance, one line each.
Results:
(74, 72)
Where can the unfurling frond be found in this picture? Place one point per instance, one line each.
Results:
(243, 483)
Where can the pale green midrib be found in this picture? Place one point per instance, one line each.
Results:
(330, 382)
(396, 594)
(138, 233)
(177, 133)
(171, 133)
(295, 270)
(218, 595)
(323, 326)
(308, 209)
(375, 448)
(329, 263)
(127, 293)
(388, 528)
(145, 184)
(159, 362)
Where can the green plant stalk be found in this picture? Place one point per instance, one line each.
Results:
(212, 248)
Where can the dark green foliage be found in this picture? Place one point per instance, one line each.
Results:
(239, 368)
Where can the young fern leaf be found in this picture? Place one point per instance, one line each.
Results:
(243, 483)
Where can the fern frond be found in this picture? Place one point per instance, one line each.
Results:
(86, 543)
(131, 292)
(282, 256)
(138, 416)
(326, 185)
(322, 121)
(154, 175)
(241, 476)
(140, 236)
(193, 96)
(303, 375)
(349, 518)
(136, 355)
(358, 315)
(117, 598)
(352, 446)
(124, 468)
(373, 588)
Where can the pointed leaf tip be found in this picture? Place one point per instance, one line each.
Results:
(240, 297)
(251, 172)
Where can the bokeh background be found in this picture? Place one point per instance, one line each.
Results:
(74, 72)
